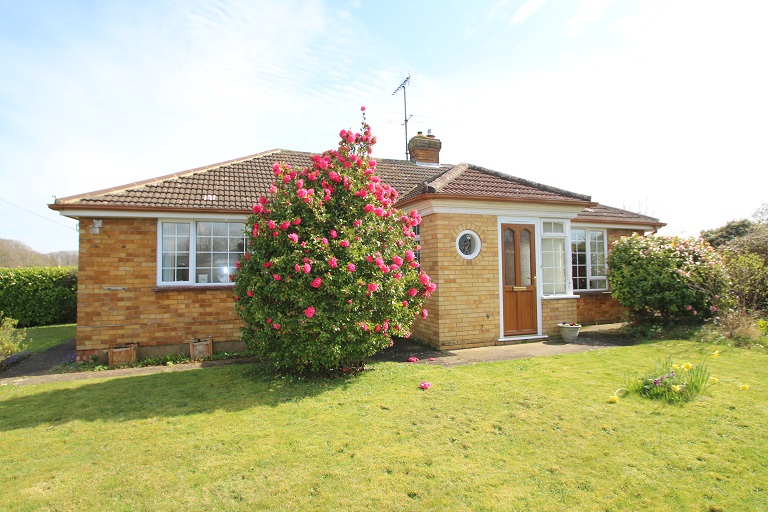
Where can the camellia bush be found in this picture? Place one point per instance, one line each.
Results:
(330, 273)
(667, 279)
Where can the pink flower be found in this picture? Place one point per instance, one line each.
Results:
(431, 287)
(413, 359)
(267, 264)
(276, 277)
(425, 385)
(285, 225)
(368, 208)
(310, 312)
(713, 308)
(296, 222)
(362, 108)
(351, 267)
(333, 262)
(293, 237)
(409, 255)
(431, 358)
(413, 292)
(269, 320)
(405, 303)
(316, 282)
(357, 223)
(257, 208)
(688, 307)
(397, 275)
(250, 293)
(372, 287)
(271, 224)
(276, 326)
(325, 241)
(307, 268)
(397, 260)
(424, 313)
(334, 234)
(344, 243)
(263, 200)
(424, 279)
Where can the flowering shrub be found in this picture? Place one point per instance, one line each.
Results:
(671, 382)
(330, 272)
(667, 278)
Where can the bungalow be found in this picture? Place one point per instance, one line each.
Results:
(511, 257)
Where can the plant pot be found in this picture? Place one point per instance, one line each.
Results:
(199, 349)
(123, 354)
(569, 332)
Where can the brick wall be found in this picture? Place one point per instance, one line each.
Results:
(464, 311)
(554, 311)
(118, 301)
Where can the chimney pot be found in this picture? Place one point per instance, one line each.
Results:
(425, 150)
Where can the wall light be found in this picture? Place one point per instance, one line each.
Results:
(95, 226)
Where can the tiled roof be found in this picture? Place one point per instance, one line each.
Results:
(235, 185)
(610, 215)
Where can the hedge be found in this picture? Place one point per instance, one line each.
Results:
(39, 295)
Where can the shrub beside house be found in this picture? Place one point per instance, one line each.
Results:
(511, 258)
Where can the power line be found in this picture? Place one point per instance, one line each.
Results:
(35, 213)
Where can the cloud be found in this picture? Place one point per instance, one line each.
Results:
(589, 12)
(526, 10)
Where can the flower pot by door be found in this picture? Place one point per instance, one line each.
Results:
(569, 332)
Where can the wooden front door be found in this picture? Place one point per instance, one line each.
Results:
(519, 279)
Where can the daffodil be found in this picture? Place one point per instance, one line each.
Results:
(687, 366)
(676, 367)
(613, 399)
(715, 354)
(744, 387)
(714, 380)
(676, 387)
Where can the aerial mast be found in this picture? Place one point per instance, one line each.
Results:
(405, 111)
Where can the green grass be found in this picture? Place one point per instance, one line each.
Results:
(531, 434)
(42, 338)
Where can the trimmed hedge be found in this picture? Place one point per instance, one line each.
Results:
(39, 295)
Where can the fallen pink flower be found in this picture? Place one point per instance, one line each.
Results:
(425, 385)
(413, 359)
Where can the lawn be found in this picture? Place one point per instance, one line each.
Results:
(530, 434)
(42, 338)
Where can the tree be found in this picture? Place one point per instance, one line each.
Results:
(330, 272)
(761, 214)
(666, 278)
(724, 234)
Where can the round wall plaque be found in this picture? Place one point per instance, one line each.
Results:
(468, 244)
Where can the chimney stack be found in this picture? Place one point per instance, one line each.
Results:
(424, 150)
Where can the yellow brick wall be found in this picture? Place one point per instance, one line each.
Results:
(118, 301)
(554, 311)
(464, 310)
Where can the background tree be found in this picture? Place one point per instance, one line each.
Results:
(15, 254)
(330, 272)
(724, 234)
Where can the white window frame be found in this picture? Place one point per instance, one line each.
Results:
(562, 235)
(588, 264)
(192, 278)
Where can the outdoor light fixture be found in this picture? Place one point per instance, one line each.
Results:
(95, 226)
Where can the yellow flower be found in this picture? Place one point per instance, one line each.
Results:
(714, 380)
(744, 387)
(676, 367)
(676, 388)
(715, 354)
(613, 399)
(687, 366)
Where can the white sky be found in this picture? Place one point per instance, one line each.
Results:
(659, 106)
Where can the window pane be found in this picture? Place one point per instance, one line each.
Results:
(554, 227)
(174, 257)
(219, 246)
(509, 258)
(525, 258)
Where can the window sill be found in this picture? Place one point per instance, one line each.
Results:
(190, 287)
(555, 297)
(591, 292)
